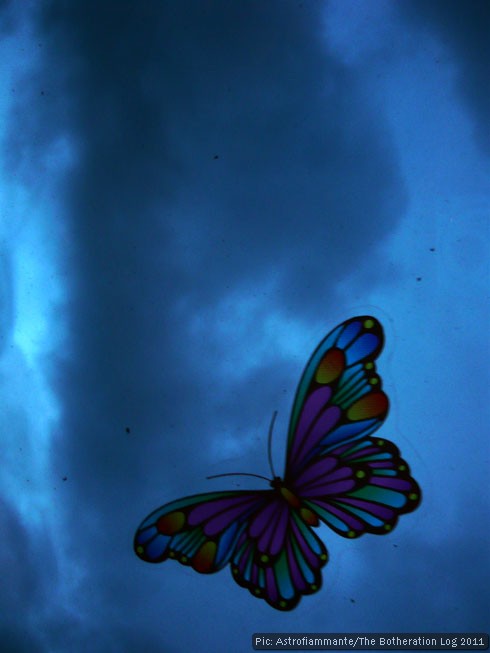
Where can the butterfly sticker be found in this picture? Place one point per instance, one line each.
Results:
(337, 473)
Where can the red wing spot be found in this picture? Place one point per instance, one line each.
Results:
(309, 517)
(291, 498)
(371, 405)
(171, 523)
(331, 366)
(204, 558)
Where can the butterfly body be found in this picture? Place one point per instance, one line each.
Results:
(336, 473)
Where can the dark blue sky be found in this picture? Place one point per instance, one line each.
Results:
(192, 194)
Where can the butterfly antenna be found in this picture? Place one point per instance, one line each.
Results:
(238, 474)
(269, 444)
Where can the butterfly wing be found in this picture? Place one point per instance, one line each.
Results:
(272, 552)
(339, 396)
(352, 481)
(201, 530)
(359, 487)
(279, 558)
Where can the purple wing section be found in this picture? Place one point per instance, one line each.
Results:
(313, 406)
(218, 514)
(315, 421)
(268, 527)
(326, 476)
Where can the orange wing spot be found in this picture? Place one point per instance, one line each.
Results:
(371, 405)
(171, 523)
(309, 517)
(204, 558)
(331, 366)
(291, 498)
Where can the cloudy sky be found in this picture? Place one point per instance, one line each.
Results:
(192, 194)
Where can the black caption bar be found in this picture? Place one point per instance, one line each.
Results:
(369, 641)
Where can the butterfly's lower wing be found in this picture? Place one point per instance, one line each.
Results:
(339, 397)
(284, 562)
(201, 530)
(359, 487)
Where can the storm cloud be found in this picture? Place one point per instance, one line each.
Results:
(195, 193)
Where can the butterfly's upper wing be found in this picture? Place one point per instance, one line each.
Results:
(339, 396)
(354, 482)
(271, 550)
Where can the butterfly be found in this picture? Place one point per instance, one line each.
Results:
(337, 473)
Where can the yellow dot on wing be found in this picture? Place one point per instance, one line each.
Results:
(257, 591)
(402, 468)
(183, 559)
(360, 474)
(282, 604)
(171, 554)
(374, 380)
(323, 556)
(139, 550)
(368, 324)
(413, 496)
(380, 443)
(369, 365)
(314, 587)
(264, 558)
(387, 527)
(351, 534)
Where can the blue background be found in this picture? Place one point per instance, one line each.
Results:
(192, 195)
